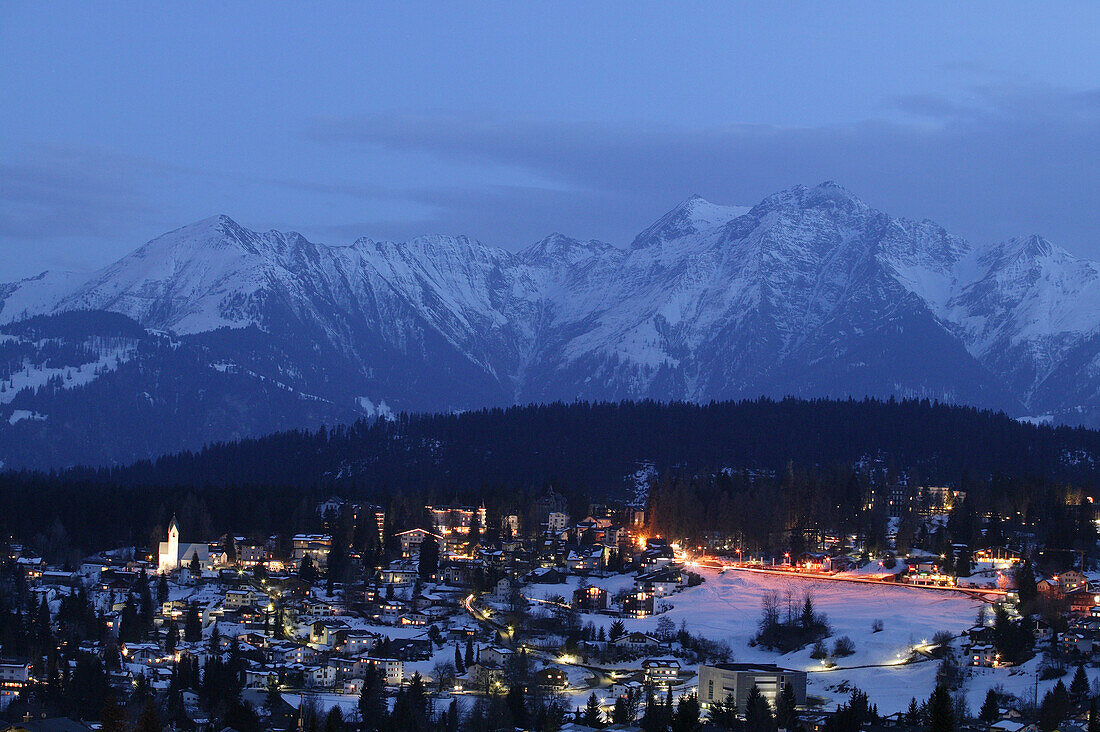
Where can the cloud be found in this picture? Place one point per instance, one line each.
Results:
(1004, 161)
(59, 192)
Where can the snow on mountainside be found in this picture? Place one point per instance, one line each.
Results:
(810, 292)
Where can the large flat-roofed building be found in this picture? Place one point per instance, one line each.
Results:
(722, 679)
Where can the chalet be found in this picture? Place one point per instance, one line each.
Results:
(1042, 630)
(504, 587)
(551, 677)
(486, 675)
(238, 598)
(591, 599)
(546, 576)
(983, 654)
(411, 649)
(390, 611)
(394, 668)
(412, 539)
(656, 556)
(839, 563)
(357, 642)
(327, 632)
(1077, 643)
(660, 582)
(661, 672)
(260, 677)
(637, 642)
(287, 652)
(314, 546)
(459, 573)
(1073, 580)
(496, 655)
(586, 559)
(638, 604)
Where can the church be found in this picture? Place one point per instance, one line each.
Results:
(173, 555)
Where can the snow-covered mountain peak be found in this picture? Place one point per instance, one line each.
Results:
(828, 197)
(810, 292)
(559, 249)
(692, 216)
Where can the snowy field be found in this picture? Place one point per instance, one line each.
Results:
(727, 607)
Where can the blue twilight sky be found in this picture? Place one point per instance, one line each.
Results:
(509, 121)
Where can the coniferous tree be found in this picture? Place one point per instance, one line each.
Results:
(1054, 707)
(112, 717)
(1079, 687)
(990, 710)
(723, 713)
(786, 713)
(1094, 721)
(429, 559)
(192, 625)
(941, 712)
(758, 714)
(147, 721)
(592, 716)
(913, 713)
(372, 699)
(687, 714)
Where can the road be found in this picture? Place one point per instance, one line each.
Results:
(988, 595)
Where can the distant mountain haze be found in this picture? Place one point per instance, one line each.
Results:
(809, 293)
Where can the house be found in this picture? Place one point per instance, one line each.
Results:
(1073, 580)
(546, 576)
(357, 642)
(983, 655)
(661, 582)
(638, 604)
(1042, 630)
(591, 599)
(141, 652)
(412, 539)
(497, 656)
(327, 632)
(400, 572)
(486, 675)
(551, 677)
(637, 642)
(586, 559)
(717, 681)
(661, 672)
(287, 652)
(839, 563)
(240, 598)
(504, 587)
(557, 522)
(656, 555)
(411, 649)
(394, 668)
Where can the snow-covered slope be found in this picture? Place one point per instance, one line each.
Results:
(810, 292)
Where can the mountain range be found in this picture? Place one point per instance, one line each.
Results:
(215, 332)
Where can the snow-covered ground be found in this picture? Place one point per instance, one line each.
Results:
(727, 607)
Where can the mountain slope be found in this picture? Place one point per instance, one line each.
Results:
(811, 292)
